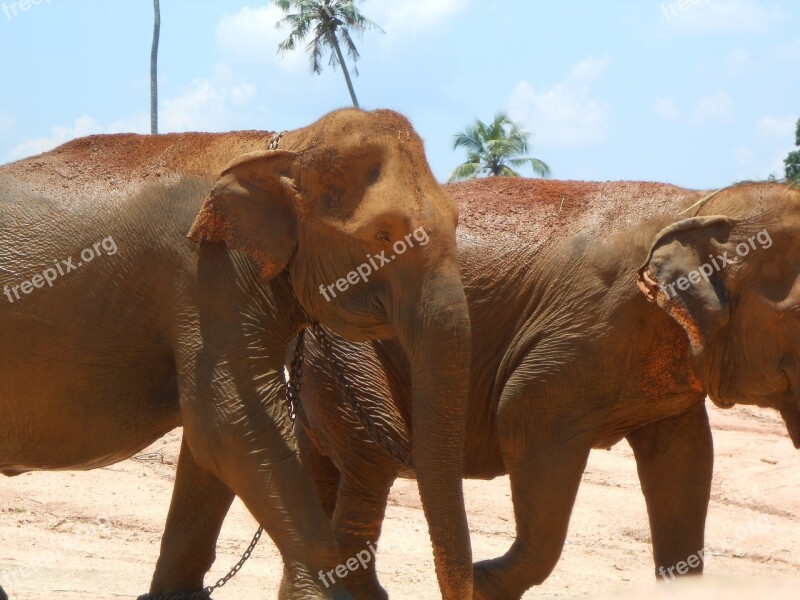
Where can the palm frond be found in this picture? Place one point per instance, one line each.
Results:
(540, 168)
(315, 54)
(506, 171)
(465, 171)
(330, 22)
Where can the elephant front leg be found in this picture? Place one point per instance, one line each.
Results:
(250, 452)
(356, 499)
(200, 502)
(545, 453)
(357, 522)
(675, 461)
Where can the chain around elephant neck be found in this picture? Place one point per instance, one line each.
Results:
(293, 386)
(275, 140)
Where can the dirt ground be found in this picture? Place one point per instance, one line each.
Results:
(67, 536)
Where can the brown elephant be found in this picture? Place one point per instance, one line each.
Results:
(569, 355)
(107, 345)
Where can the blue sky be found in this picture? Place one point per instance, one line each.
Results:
(699, 93)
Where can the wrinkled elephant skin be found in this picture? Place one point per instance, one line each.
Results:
(588, 326)
(117, 328)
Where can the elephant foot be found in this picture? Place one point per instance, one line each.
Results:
(3, 595)
(490, 581)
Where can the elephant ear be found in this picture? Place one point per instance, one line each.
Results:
(252, 208)
(684, 275)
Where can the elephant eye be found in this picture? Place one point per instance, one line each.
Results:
(383, 236)
(373, 175)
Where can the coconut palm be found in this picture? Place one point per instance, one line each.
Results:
(330, 22)
(154, 68)
(792, 161)
(493, 149)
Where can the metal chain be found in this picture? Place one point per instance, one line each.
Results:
(292, 394)
(295, 376)
(205, 593)
(392, 448)
(275, 140)
(388, 445)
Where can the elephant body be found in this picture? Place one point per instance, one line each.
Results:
(568, 355)
(101, 355)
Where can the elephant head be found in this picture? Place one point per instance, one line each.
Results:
(732, 281)
(350, 209)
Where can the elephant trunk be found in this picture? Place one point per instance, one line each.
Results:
(436, 337)
(791, 416)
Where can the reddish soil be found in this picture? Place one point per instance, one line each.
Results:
(52, 546)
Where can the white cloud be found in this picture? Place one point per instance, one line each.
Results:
(717, 107)
(666, 108)
(406, 18)
(721, 16)
(211, 104)
(781, 128)
(208, 105)
(565, 114)
(589, 69)
(84, 125)
(251, 34)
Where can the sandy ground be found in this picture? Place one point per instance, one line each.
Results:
(67, 536)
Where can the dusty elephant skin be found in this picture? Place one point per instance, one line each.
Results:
(165, 331)
(570, 355)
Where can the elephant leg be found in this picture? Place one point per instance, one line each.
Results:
(200, 502)
(324, 474)
(357, 523)
(3, 594)
(325, 477)
(357, 504)
(545, 454)
(276, 489)
(675, 459)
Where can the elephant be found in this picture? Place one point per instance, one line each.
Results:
(580, 339)
(107, 345)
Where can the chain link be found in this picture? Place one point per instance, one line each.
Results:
(397, 451)
(295, 377)
(275, 140)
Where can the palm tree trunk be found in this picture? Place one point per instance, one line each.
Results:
(335, 44)
(154, 68)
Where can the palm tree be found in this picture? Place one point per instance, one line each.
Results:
(154, 68)
(331, 21)
(792, 161)
(493, 149)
